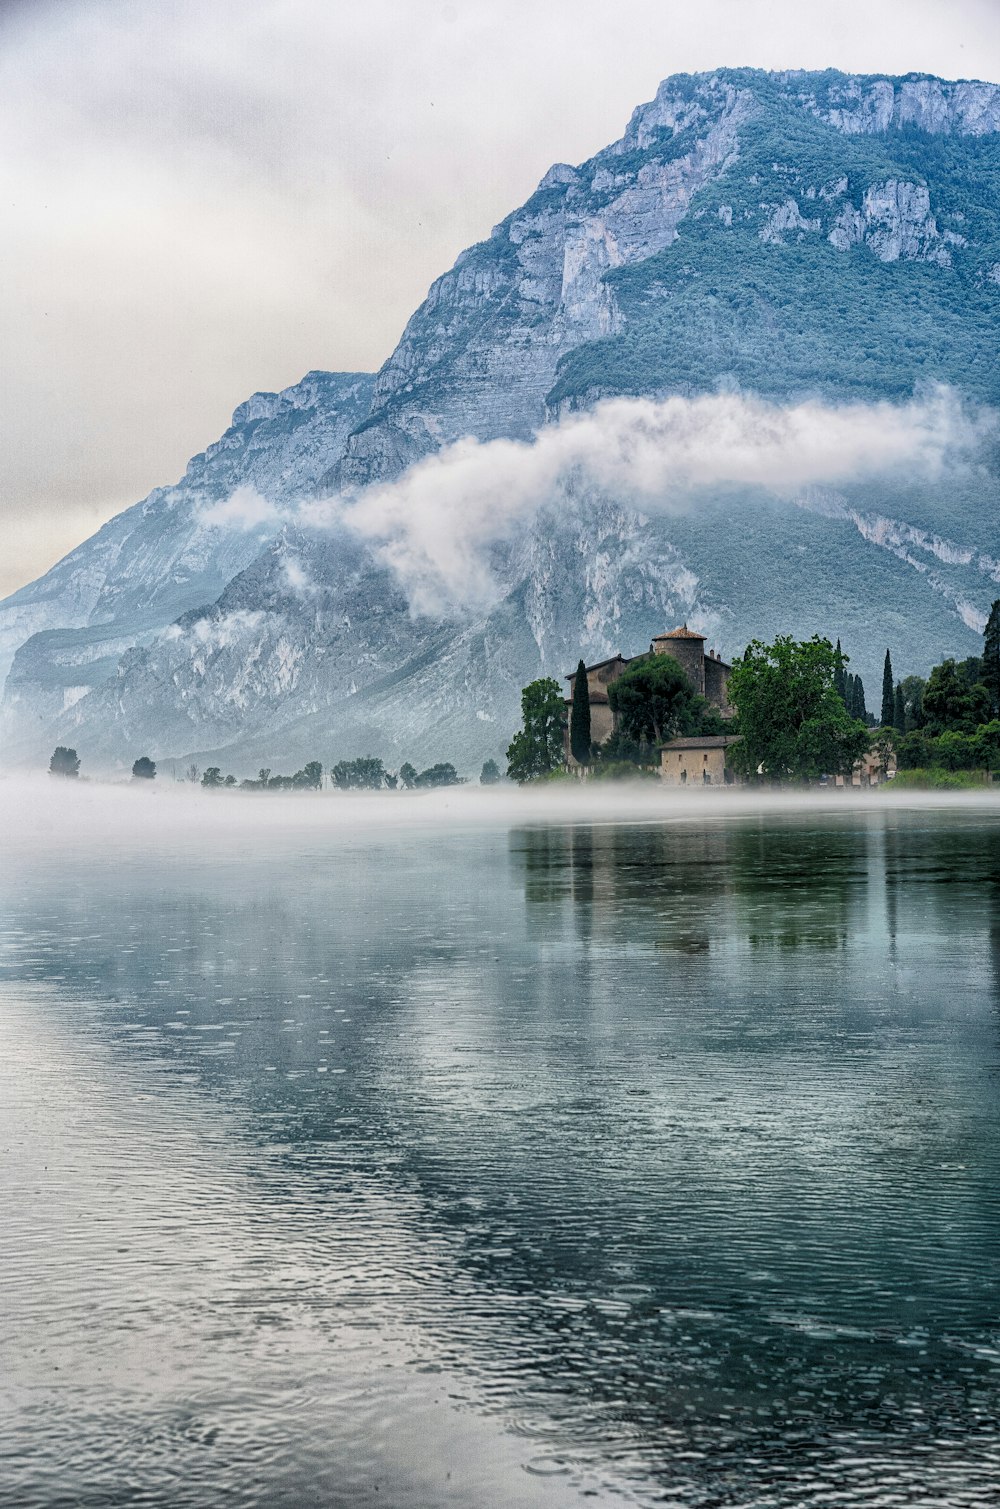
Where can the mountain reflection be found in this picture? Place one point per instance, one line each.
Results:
(684, 1136)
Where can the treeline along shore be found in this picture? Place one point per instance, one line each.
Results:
(794, 714)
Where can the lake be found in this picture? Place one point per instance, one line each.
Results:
(431, 1152)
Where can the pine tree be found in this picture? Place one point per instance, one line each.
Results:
(991, 657)
(579, 720)
(899, 709)
(839, 674)
(888, 694)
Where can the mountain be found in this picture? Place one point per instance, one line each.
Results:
(790, 235)
(66, 631)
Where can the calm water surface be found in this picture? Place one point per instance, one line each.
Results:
(630, 1164)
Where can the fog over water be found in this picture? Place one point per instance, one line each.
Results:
(97, 813)
(505, 1147)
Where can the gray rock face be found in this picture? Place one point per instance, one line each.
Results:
(165, 555)
(174, 634)
(147, 560)
(895, 221)
(870, 106)
(480, 354)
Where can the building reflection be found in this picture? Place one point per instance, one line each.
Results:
(685, 887)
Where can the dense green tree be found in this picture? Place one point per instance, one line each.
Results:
(442, 774)
(537, 749)
(888, 694)
(840, 674)
(991, 658)
(230, 780)
(987, 745)
(212, 777)
(579, 718)
(261, 783)
(364, 774)
(144, 769)
(652, 699)
(971, 670)
(950, 702)
(407, 775)
(621, 748)
(899, 709)
(913, 752)
(792, 720)
(954, 750)
(310, 777)
(913, 695)
(490, 773)
(64, 762)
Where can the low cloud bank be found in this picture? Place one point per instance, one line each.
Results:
(438, 525)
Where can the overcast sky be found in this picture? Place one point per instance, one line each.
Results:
(208, 197)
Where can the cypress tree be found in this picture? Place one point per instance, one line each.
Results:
(860, 710)
(899, 709)
(888, 694)
(839, 675)
(991, 657)
(579, 718)
(850, 695)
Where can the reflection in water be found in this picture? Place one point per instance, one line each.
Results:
(774, 884)
(673, 1147)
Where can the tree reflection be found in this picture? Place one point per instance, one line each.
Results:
(683, 887)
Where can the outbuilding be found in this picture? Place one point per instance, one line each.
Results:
(698, 762)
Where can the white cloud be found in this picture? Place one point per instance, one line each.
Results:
(437, 525)
(216, 633)
(244, 509)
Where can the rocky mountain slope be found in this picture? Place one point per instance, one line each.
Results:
(169, 553)
(785, 234)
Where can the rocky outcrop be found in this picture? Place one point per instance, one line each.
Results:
(871, 106)
(895, 220)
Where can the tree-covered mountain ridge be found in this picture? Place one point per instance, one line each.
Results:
(788, 234)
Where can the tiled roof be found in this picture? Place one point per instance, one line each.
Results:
(715, 741)
(570, 675)
(682, 633)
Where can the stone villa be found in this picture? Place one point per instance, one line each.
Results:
(700, 761)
